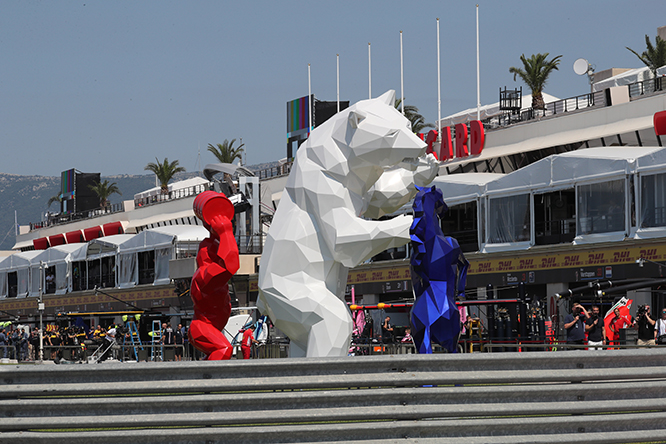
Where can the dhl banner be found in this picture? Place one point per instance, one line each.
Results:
(130, 296)
(610, 256)
(519, 263)
(522, 263)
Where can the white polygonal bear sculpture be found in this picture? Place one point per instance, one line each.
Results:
(317, 232)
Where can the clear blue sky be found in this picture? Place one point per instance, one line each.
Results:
(107, 86)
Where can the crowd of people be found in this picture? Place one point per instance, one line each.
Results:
(590, 328)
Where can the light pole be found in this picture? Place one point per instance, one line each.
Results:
(40, 307)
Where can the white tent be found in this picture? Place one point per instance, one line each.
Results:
(60, 257)
(19, 263)
(583, 170)
(161, 241)
(489, 110)
(145, 241)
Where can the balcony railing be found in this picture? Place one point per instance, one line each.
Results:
(584, 101)
(276, 171)
(176, 194)
(59, 219)
(646, 87)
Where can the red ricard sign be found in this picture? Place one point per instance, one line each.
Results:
(469, 142)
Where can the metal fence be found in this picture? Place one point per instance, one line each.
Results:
(540, 397)
(646, 87)
(571, 104)
(276, 171)
(65, 218)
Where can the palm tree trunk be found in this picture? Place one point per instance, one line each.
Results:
(537, 101)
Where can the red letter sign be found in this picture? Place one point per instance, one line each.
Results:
(446, 150)
(430, 140)
(477, 137)
(461, 140)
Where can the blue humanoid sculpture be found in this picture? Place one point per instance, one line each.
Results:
(438, 268)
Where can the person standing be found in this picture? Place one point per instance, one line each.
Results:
(575, 325)
(387, 331)
(596, 333)
(3, 343)
(167, 335)
(618, 323)
(660, 328)
(248, 340)
(178, 339)
(645, 326)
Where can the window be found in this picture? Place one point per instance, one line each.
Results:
(653, 201)
(509, 219)
(12, 284)
(146, 267)
(460, 222)
(49, 278)
(554, 217)
(79, 276)
(601, 207)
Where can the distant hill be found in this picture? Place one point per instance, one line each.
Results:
(28, 196)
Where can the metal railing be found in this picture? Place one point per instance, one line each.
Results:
(540, 397)
(59, 219)
(176, 194)
(571, 104)
(646, 87)
(251, 244)
(276, 171)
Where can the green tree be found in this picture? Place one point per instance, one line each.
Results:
(164, 172)
(654, 56)
(225, 152)
(104, 190)
(412, 114)
(535, 73)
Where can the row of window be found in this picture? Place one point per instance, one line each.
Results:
(560, 216)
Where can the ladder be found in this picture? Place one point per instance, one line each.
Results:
(155, 353)
(134, 338)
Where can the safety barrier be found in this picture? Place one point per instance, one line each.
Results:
(554, 397)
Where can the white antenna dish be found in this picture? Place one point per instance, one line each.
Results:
(581, 66)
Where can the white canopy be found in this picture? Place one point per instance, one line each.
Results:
(61, 253)
(60, 257)
(627, 78)
(574, 167)
(19, 263)
(160, 240)
(460, 188)
(489, 110)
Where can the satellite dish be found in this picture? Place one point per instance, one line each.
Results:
(581, 66)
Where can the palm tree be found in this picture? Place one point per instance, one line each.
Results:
(412, 114)
(104, 190)
(654, 57)
(534, 73)
(164, 172)
(225, 151)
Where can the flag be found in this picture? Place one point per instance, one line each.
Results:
(624, 305)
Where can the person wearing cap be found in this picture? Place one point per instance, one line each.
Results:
(248, 340)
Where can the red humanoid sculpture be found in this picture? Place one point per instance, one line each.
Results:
(217, 262)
